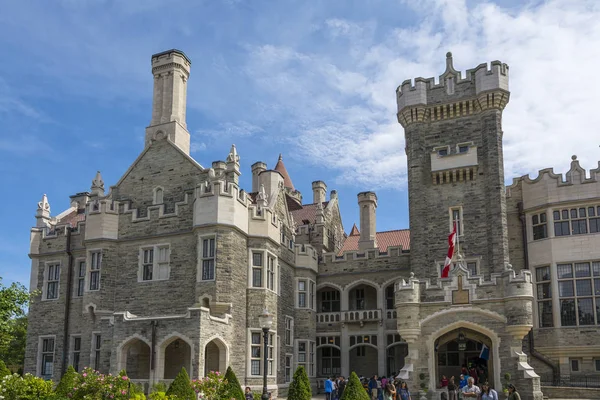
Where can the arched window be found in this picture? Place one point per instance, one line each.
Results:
(158, 195)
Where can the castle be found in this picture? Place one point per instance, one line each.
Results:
(173, 265)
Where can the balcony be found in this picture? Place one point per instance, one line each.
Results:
(328, 317)
(362, 316)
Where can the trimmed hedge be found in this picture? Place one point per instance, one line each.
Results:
(182, 387)
(354, 389)
(232, 388)
(300, 387)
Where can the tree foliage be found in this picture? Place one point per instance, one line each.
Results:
(67, 382)
(182, 387)
(13, 301)
(3, 370)
(232, 388)
(354, 389)
(300, 387)
(13, 352)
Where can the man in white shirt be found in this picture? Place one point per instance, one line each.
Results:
(471, 391)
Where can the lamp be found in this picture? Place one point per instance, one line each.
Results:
(265, 320)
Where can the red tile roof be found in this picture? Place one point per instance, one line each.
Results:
(280, 167)
(307, 212)
(385, 239)
(72, 218)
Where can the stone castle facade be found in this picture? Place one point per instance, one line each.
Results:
(172, 266)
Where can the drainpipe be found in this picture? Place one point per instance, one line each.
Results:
(153, 349)
(68, 295)
(534, 353)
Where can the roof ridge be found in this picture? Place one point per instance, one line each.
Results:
(394, 230)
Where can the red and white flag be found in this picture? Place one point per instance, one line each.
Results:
(451, 244)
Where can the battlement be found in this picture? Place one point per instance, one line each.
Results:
(392, 251)
(221, 202)
(453, 96)
(306, 257)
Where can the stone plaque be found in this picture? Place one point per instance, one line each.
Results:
(460, 296)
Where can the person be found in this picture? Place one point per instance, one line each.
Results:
(473, 373)
(452, 395)
(249, 395)
(487, 393)
(380, 388)
(463, 382)
(373, 387)
(404, 393)
(390, 392)
(471, 390)
(341, 386)
(444, 381)
(328, 388)
(512, 393)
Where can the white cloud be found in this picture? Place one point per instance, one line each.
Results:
(341, 102)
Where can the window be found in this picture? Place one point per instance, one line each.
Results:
(456, 218)
(76, 352)
(155, 263)
(540, 227)
(574, 365)
(389, 297)
(306, 356)
(576, 221)
(463, 149)
(256, 346)
(52, 281)
(96, 345)
(472, 268)
(443, 152)
(158, 195)
(544, 297)
(257, 269)
(288, 368)
(330, 362)
(311, 295)
(301, 294)
(95, 266)
(289, 330)
(81, 278)
(47, 358)
(579, 293)
(270, 273)
(361, 351)
(597, 365)
(330, 301)
(311, 359)
(360, 299)
(302, 353)
(208, 259)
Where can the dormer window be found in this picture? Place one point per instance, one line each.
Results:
(443, 152)
(463, 149)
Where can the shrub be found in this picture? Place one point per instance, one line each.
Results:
(28, 387)
(182, 387)
(211, 386)
(231, 388)
(354, 389)
(300, 387)
(67, 383)
(4, 370)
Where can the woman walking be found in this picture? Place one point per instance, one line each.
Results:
(390, 392)
(487, 393)
(404, 393)
(512, 393)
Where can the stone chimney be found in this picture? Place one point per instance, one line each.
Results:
(319, 191)
(257, 168)
(171, 70)
(367, 202)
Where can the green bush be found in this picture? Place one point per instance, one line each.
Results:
(67, 383)
(4, 370)
(232, 388)
(300, 387)
(28, 387)
(354, 389)
(182, 387)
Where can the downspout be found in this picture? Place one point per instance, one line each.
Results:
(68, 295)
(534, 353)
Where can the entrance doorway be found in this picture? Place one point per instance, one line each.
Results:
(460, 351)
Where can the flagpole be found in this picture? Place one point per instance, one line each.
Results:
(457, 238)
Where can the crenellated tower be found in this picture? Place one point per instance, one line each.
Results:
(453, 132)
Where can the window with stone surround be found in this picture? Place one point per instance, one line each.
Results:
(256, 348)
(330, 361)
(158, 196)
(305, 354)
(574, 364)
(264, 270)
(96, 346)
(75, 352)
(330, 301)
(471, 265)
(544, 296)
(389, 297)
(597, 364)
(579, 293)
(46, 356)
(306, 294)
(576, 220)
(154, 263)
(208, 258)
(51, 281)
(539, 226)
(95, 268)
(288, 368)
(289, 330)
(80, 283)
(456, 218)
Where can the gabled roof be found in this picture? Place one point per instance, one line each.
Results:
(385, 239)
(354, 231)
(307, 212)
(72, 218)
(280, 167)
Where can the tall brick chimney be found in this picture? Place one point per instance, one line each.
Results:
(367, 203)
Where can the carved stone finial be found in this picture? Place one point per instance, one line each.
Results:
(449, 62)
(43, 212)
(280, 157)
(98, 185)
(412, 275)
(233, 155)
(573, 157)
(43, 205)
(262, 197)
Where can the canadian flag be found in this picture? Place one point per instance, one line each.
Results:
(451, 244)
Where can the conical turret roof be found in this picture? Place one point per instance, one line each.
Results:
(280, 167)
(354, 231)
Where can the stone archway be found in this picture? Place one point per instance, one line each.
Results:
(175, 353)
(394, 358)
(134, 358)
(364, 360)
(215, 356)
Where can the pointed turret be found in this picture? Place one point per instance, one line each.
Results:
(280, 167)
(42, 214)
(98, 185)
(354, 231)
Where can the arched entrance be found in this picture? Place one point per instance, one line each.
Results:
(461, 349)
(177, 355)
(215, 356)
(362, 297)
(364, 360)
(134, 358)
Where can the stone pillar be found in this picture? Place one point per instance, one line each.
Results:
(345, 351)
(367, 203)
(381, 351)
(319, 191)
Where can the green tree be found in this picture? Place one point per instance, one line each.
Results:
(232, 388)
(354, 389)
(13, 301)
(182, 387)
(3, 370)
(67, 382)
(300, 387)
(13, 353)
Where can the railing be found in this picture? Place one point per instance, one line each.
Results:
(329, 317)
(585, 381)
(391, 314)
(362, 315)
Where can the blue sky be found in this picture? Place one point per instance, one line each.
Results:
(314, 80)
